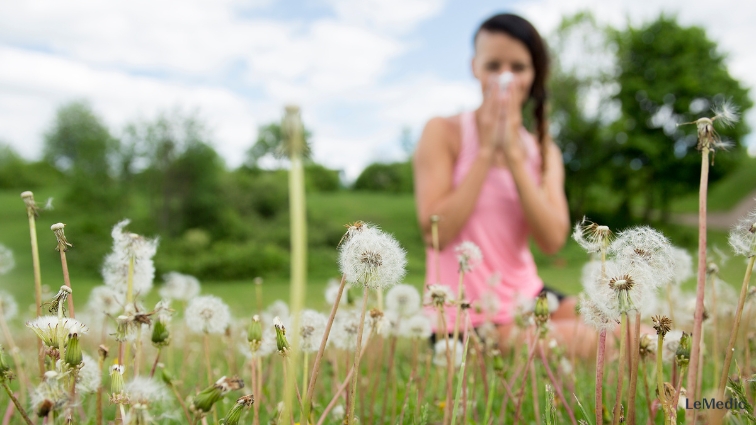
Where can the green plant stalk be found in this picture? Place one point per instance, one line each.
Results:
(447, 389)
(634, 360)
(15, 353)
(298, 225)
(735, 326)
(356, 368)
(660, 376)
(450, 365)
(525, 371)
(206, 349)
(599, 394)
(556, 385)
(129, 300)
(698, 316)
(621, 368)
(460, 378)
(98, 420)
(340, 389)
(67, 281)
(37, 282)
(714, 325)
(489, 403)
(18, 405)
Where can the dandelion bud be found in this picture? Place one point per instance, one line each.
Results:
(160, 334)
(234, 415)
(5, 371)
(683, 351)
(73, 356)
(165, 375)
(63, 244)
(646, 346)
(205, 400)
(116, 379)
(281, 343)
(541, 309)
(498, 361)
(254, 332)
(103, 352)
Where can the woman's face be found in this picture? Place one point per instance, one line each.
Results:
(497, 52)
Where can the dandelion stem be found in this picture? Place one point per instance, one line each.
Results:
(450, 365)
(520, 395)
(318, 357)
(448, 389)
(647, 391)
(489, 403)
(340, 390)
(715, 325)
(557, 385)
(734, 331)
(23, 379)
(129, 299)
(31, 213)
(389, 373)
(461, 376)
(208, 367)
(634, 358)
(621, 369)
(67, 282)
(15, 402)
(600, 353)
(534, 389)
(155, 363)
(698, 316)
(100, 364)
(181, 402)
(353, 392)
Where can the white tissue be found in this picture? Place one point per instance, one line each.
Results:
(504, 79)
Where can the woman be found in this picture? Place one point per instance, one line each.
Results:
(492, 182)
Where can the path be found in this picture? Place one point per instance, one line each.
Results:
(723, 220)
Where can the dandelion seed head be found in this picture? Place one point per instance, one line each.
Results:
(126, 246)
(207, 314)
(345, 329)
(106, 300)
(8, 305)
(416, 327)
(726, 113)
(643, 247)
(372, 259)
(683, 265)
(439, 352)
(594, 316)
(312, 328)
(591, 236)
(145, 390)
(468, 256)
(279, 309)
(332, 291)
(625, 281)
(177, 286)
(403, 299)
(743, 236)
(89, 376)
(7, 263)
(48, 328)
(438, 295)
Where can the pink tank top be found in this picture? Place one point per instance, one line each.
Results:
(498, 227)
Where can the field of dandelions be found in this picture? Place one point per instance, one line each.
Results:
(113, 359)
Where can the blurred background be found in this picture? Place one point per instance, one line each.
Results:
(168, 113)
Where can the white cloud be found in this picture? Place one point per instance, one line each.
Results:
(389, 15)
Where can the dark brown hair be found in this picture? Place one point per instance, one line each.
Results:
(522, 30)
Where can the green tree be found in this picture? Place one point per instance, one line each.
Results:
(80, 145)
(668, 74)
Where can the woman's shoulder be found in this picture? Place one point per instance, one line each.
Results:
(443, 132)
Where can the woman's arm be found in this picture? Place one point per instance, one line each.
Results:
(545, 206)
(434, 192)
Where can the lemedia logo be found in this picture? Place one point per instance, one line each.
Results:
(711, 403)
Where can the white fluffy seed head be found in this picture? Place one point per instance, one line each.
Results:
(89, 376)
(607, 293)
(403, 299)
(438, 295)
(468, 256)
(50, 328)
(146, 390)
(743, 236)
(332, 291)
(106, 300)
(372, 259)
(207, 314)
(278, 308)
(643, 247)
(345, 329)
(312, 328)
(416, 327)
(8, 305)
(126, 246)
(591, 236)
(6, 260)
(726, 113)
(683, 265)
(593, 315)
(439, 352)
(177, 286)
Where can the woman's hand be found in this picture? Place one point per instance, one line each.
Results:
(510, 122)
(489, 119)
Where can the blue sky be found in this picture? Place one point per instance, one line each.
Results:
(361, 70)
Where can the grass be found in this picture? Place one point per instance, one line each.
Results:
(725, 193)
